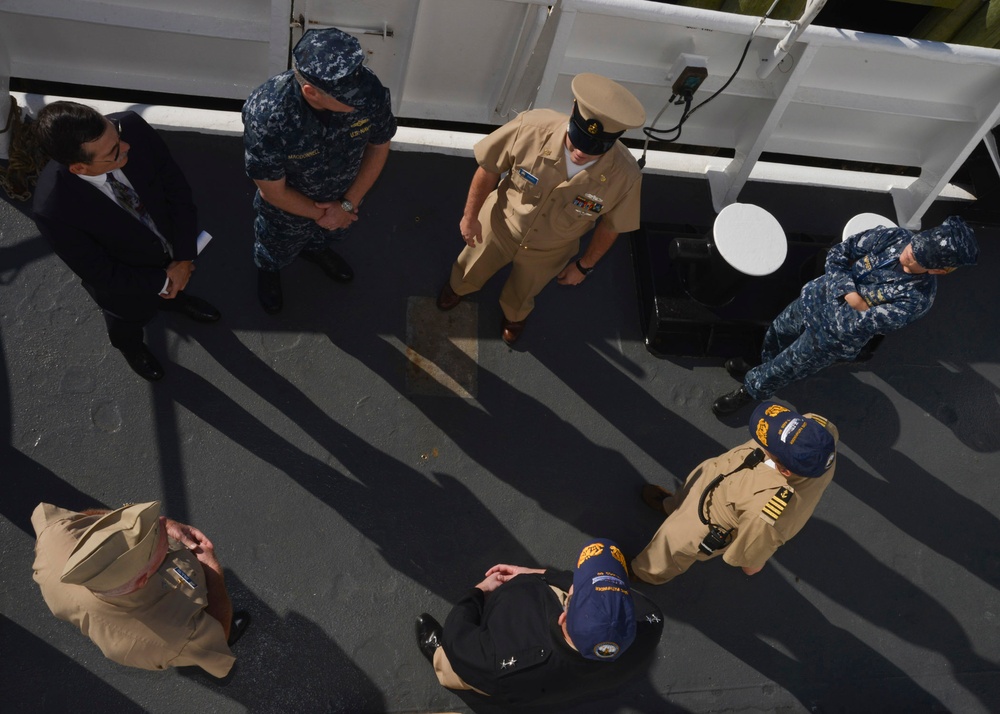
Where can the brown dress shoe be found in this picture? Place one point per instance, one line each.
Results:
(511, 330)
(448, 298)
(653, 495)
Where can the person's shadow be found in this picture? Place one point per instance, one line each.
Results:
(31, 666)
(932, 511)
(287, 663)
(947, 361)
(373, 490)
(889, 601)
(772, 627)
(26, 483)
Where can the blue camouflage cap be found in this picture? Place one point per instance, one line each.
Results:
(950, 245)
(331, 60)
(800, 444)
(601, 615)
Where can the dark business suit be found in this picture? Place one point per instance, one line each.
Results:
(121, 262)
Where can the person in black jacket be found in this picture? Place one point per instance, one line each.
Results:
(116, 208)
(533, 636)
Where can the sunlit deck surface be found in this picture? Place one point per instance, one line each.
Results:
(346, 494)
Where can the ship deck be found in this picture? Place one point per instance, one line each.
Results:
(347, 490)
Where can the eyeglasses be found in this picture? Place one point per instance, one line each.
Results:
(118, 145)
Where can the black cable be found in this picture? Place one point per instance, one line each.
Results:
(651, 133)
(688, 111)
(685, 99)
(752, 459)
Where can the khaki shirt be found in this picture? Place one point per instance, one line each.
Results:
(739, 503)
(535, 198)
(162, 625)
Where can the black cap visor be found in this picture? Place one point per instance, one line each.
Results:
(589, 136)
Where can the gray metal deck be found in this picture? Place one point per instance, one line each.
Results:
(344, 501)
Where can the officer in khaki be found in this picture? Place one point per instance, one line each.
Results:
(561, 176)
(756, 507)
(141, 596)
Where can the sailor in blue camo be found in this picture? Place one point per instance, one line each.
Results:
(318, 152)
(880, 265)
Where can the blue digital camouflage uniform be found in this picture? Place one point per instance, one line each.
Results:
(317, 152)
(820, 328)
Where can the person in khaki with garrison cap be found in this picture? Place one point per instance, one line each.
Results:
(746, 503)
(147, 590)
(561, 177)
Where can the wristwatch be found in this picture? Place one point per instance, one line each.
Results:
(346, 205)
(584, 270)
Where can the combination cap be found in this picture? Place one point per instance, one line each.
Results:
(603, 110)
(115, 548)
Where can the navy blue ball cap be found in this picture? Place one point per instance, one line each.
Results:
(601, 615)
(800, 444)
(950, 245)
(330, 59)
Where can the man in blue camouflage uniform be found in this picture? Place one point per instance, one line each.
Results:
(315, 140)
(875, 282)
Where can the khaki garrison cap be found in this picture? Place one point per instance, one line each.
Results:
(614, 106)
(115, 549)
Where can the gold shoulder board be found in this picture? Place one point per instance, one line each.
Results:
(776, 506)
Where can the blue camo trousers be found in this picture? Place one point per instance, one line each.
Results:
(791, 352)
(279, 236)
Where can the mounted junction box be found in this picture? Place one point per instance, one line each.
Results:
(688, 72)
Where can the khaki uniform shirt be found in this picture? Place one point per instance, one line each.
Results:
(162, 625)
(535, 198)
(743, 501)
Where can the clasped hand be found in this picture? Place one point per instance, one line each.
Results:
(334, 216)
(192, 539)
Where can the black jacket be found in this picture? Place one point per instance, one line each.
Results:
(118, 258)
(510, 645)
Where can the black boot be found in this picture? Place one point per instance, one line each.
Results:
(269, 290)
(737, 367)
(731, 403)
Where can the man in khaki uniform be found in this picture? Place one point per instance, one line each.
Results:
(147, 590)
(563, 176)
(754, 502)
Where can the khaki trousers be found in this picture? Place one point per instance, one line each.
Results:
(536, 263)
(446, 675)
